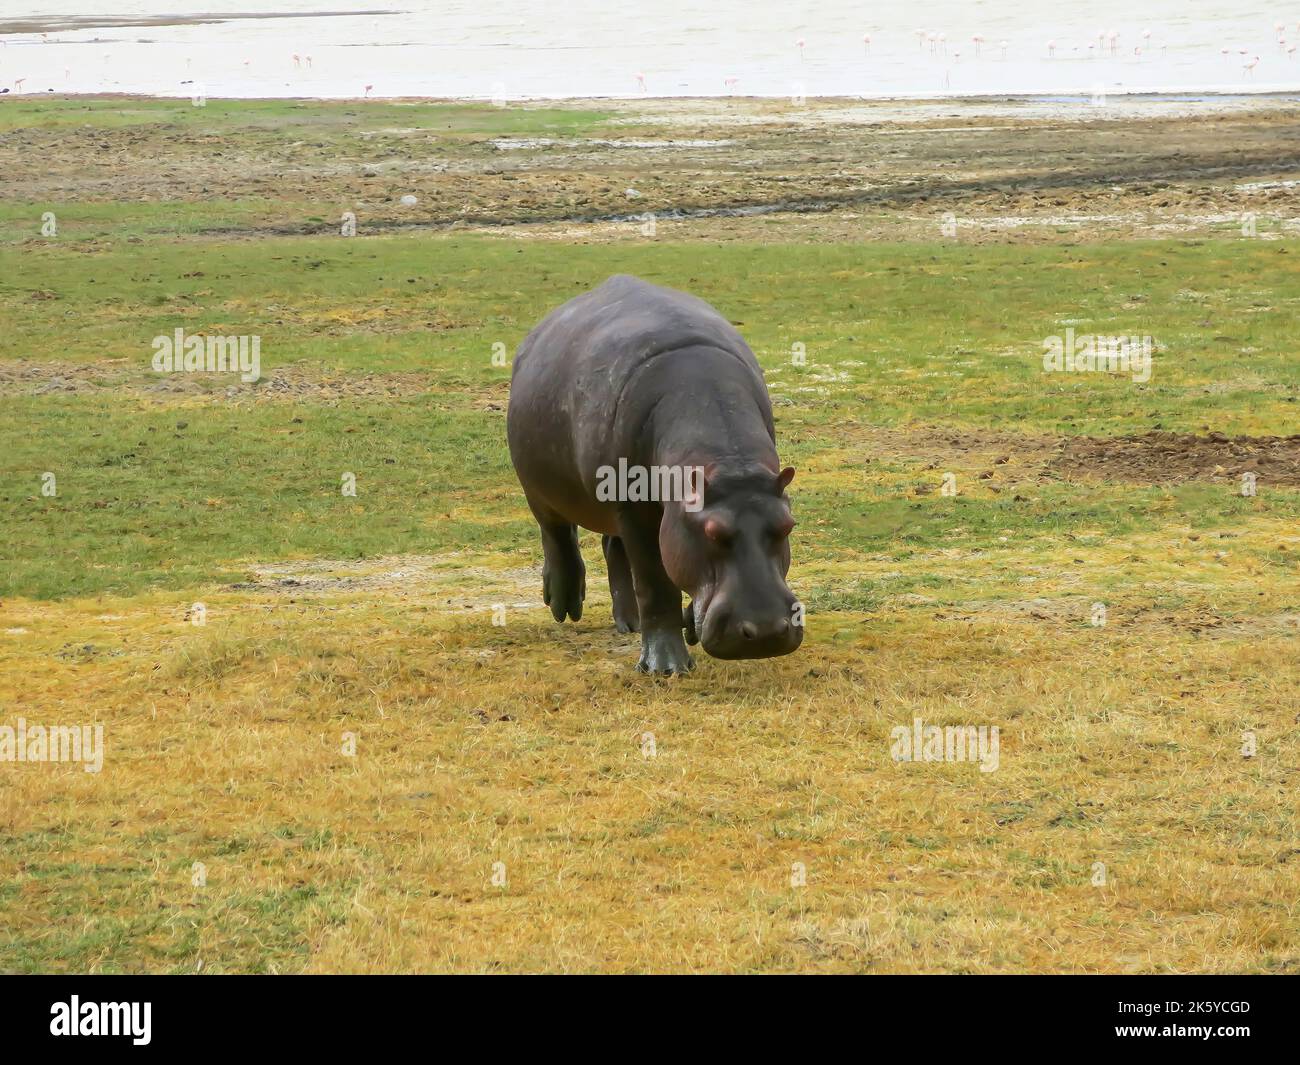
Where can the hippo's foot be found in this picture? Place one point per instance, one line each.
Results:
(664, 653)
(563, 590)
(688, 623)
(626, 618)
(564, 577)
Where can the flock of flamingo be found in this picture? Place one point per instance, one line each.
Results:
(1107, 42)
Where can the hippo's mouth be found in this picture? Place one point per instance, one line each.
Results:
(711, 621)
(696, 612)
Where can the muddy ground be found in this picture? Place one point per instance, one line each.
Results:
(726, 169)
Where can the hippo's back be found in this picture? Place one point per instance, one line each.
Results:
(576, 382)
(618, 325)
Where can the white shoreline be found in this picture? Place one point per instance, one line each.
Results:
(1072, 97)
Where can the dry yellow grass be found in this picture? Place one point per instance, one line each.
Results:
(525, 744)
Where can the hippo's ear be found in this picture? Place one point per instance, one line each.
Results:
(784, 478)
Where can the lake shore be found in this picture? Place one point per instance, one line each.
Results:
(705, 168)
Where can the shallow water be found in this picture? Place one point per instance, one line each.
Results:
(491, 49)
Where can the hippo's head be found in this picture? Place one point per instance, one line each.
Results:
(731, 556)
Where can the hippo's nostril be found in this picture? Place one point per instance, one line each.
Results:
(748, 630)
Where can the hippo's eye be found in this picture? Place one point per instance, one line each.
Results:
(783, 528)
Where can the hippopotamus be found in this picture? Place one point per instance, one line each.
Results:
(638, 412)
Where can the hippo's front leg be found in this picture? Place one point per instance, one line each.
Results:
(660, 601)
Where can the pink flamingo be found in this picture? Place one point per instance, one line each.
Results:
(640, 80)
(1003, 46)
(297, 59)
(1051, 48)
(1249, 68)
(730, 83)
(1113, 37)
(18, 84)
(866, 39)
(368, 88)
(977, 40)
(799, 44)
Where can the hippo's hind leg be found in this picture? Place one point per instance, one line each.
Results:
(564, 577)
(659, 601)
(627, 617)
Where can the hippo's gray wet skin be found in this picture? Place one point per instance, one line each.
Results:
(638, 412)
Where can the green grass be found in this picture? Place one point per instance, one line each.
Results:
(240, 927)
(894, 334)
(937, 330)
(300, 116)
(142, 501)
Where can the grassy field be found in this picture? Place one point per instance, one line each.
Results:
(371, 775)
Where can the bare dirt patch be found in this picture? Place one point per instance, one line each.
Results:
(1173, 458)
(942, 444)
(1150, 458)
(23, 378)
(1074, 611)
(449, 580)
(298, 381)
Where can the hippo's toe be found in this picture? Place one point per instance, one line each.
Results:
(664, 654)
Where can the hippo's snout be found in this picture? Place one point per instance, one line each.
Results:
(750, 634)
